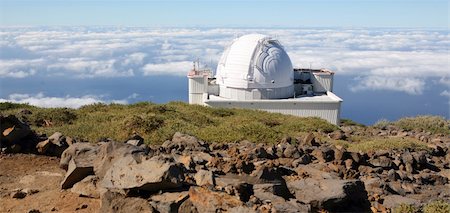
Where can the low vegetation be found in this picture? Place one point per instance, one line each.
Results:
(348, 122)
(374, 144)
(158, 122)
(405, 208)
(433, 124)
(438, 206)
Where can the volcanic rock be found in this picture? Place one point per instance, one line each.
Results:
(331, 194)
(204, 178)
(118, 203)
(152, 174)
(206, 200)
(54, 145)
(169, 201)
(77, 170)
(110, 152)
(87, 187)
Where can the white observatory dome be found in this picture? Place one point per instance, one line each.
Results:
(258, 65)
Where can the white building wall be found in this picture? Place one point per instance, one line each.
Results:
(197, 86)
(322, 82)
(328, 111)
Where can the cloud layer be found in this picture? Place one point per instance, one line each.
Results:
(380, 59)
(71, 102)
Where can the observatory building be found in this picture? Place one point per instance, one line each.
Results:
(255, 72)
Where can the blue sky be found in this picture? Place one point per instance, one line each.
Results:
(249, 13)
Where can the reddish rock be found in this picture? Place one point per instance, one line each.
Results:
(206, 200)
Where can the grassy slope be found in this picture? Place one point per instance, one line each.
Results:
(158, 122)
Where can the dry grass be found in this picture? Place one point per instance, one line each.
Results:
(374, 144)
(438, 206)
(427, 123)
(158, 122)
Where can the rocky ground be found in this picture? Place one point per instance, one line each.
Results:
(188, 175)
(32, 182)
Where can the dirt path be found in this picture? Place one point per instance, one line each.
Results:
(27, 171)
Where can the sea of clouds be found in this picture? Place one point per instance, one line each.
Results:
(401, 60)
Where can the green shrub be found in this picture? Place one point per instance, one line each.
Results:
(348, 122)
(438, 206)
(145, 123)
(388, 144)
(433, 124)
(382, 123)
(94, 107)
(405, 208)
(8, 106)
(258, 132)
(162, 108)
(54, 116)
(222, 112)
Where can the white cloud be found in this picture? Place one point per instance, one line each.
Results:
(446, 94)
(133, 96)
(411, 86)
(18, 73)
(403, 59)
(445, 80)
(135, 59)
(71, 102)
(178, 68)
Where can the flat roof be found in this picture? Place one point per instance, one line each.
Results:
(325, 98)
(315, 71)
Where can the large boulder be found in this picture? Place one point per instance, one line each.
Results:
(331, 194)
(78, 160)
(78, 150)
(54, 145)
(12, 130)
(154, 174)
(110, 152)
(87, 187)
(16, 136)
(77, 170)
